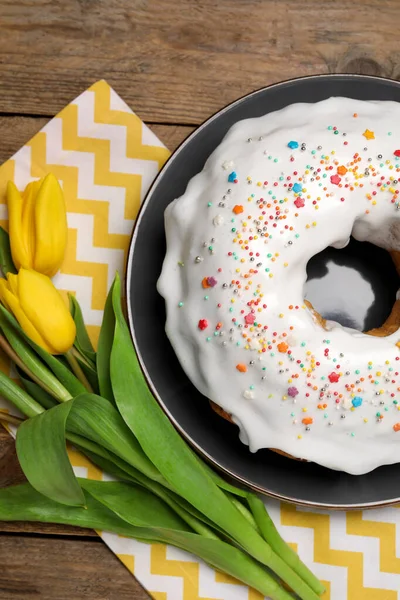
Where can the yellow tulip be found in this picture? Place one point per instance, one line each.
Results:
(37, 225)
(39, 309)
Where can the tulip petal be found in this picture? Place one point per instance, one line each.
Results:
(19, 251)
(46, 310)
(12, 281)
(13, 304)
(28, 217)
(51, 227)
(3, 288)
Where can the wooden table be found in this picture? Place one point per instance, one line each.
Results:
(174, 62)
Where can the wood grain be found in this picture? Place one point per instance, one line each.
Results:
(171, 135)
(63, 569)
(10, 471)
(16, 131)
(178, 62)
(22, 527)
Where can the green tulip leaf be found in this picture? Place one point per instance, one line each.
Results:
(18, 397)
(82, 341)
(6, 261)
(90, 373)
(104, 349)
(41, 445)
(107, 465)
(134, 504)
(118, 468)
(278, 544)
(42, 453)
(24, 503)
(95, 418)
(34, 390)
(63, 374)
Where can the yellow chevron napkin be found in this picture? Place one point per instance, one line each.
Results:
(106, 158)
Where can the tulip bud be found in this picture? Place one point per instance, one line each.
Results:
(39, 309)
(37, 225)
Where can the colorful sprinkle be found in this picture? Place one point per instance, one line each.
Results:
(283, 347)
(369, 135)
(335, 179)
(333, 377)
(299, 202)
(357, 401)
(250, 318)
(232, 176)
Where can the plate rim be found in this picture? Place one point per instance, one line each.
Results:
(128, 271)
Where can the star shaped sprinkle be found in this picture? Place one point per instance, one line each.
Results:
(369, 135)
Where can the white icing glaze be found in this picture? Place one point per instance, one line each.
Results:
(283, 385)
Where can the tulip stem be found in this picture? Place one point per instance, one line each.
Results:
(76, 368)
(10, 418)
(81, 357)
(4, 345)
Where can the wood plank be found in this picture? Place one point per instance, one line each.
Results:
(179, 62)
(21, 527)
(172, 135)
(58, 569)
(10, 471)
(16, 131)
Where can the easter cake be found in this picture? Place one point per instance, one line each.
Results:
(278, 190)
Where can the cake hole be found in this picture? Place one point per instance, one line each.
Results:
(355, 286)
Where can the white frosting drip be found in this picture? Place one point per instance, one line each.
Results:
(289, 363)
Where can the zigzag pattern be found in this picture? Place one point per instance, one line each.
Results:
(83, 467)
(189, 571)
(106, 159)
(334, 545)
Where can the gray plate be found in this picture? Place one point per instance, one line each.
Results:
(213, 437)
